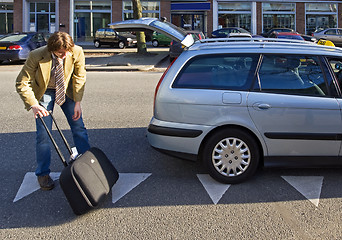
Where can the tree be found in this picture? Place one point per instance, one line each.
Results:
(137, 13)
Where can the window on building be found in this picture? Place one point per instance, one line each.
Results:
(320, 16)
(6, 18)
(235, 15)
(149, 9)
(42, 17)
(278, 15)
(90, 16)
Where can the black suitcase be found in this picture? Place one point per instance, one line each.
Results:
(88, 179)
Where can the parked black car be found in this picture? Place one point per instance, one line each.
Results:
(108, 36)
(17, 46)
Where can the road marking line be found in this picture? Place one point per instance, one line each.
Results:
(309, 186)
(214, 189)
(30, 184)
(126, 183)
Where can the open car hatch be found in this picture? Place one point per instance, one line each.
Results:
(154, 24)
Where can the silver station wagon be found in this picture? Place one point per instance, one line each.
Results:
(236, 104)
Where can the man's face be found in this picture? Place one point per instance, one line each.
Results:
(61, 53)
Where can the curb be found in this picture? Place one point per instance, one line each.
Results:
(111, 68)
(116, 69)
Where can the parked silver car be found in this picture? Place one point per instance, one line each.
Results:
(332, 34)
(236, 105)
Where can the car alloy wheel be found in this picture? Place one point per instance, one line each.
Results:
(97, 44)
(155, 43)
(231, 155)
(121, 45)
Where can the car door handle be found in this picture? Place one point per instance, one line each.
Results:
(262, 106)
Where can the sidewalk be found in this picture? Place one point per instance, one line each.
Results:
(115, 59)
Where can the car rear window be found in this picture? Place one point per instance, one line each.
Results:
(228, 72)
(14, 38)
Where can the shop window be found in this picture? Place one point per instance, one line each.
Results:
(240, 6)
(278, 7)
(320, 16)
(235, 20)
(89, 17)
(6, 18)
(42, 17)
(92, 5)
(235, 15)
(149, 9)
(278, 15)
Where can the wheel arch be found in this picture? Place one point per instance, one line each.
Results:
(232, 126)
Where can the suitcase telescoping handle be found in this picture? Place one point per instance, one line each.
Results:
(53, 140)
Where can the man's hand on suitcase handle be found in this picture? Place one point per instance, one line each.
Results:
(39, 110)
(77, 111)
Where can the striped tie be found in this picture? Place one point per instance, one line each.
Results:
(59, 78)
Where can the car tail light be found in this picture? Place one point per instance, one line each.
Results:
(15, 47)
(160, 81)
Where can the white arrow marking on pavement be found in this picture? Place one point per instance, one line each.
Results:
(309, 186)
(30, 184)
(214, 189)
(126, 183)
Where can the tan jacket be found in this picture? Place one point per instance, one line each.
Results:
(34, 77)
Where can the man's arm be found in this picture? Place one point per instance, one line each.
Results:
(79, 74)
(25, 81)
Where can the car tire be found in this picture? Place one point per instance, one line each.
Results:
(231, 155)
(155, 43)
(97, 44)
(121, 45)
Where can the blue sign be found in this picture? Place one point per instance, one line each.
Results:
(190, 6)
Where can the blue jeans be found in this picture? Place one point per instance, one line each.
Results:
(43, 142)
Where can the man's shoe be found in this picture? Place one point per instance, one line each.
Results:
(45, 182)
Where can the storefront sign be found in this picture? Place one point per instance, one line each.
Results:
(190, 6)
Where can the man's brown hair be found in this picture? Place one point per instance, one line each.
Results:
(60, 40)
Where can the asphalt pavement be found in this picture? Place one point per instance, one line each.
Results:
(114, 59)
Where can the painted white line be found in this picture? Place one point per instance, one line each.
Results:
(30, 184)
(126, 183)
(309, 186)
(215, 189)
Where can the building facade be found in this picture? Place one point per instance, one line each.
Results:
(82, 18)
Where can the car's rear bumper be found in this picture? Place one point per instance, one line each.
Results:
(176, 137)
(9, 55)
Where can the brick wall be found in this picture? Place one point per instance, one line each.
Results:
(210, 20)
(64, 16)
(116, 10)
(259, 17)
(18, 16)
(300, 17)
(165, 9)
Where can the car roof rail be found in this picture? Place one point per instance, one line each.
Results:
(260, 42)
(253, 39)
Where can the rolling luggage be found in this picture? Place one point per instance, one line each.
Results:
(88, 179)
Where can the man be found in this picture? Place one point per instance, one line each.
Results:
(54, 74)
